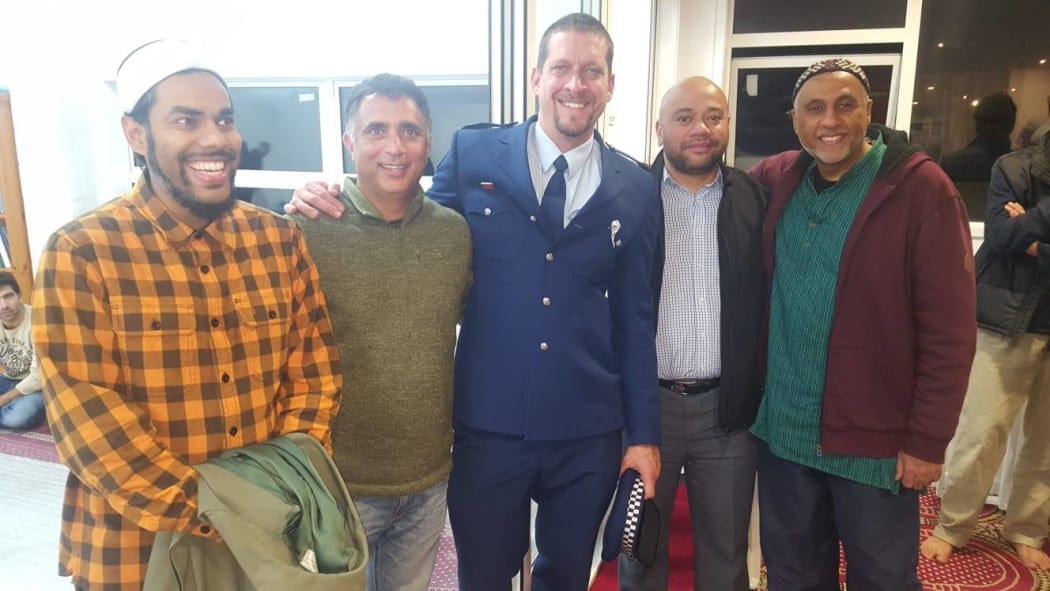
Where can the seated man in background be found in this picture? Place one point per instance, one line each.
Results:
(22, 403)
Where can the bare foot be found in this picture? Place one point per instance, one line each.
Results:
(1033, 558)
(937, 549)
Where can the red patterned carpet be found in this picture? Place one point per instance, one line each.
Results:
(986, 564)
(36, 444)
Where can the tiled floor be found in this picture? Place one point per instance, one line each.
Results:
(30, 509)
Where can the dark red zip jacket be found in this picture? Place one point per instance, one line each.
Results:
(905, 323)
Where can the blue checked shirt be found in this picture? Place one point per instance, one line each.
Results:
(688, 335)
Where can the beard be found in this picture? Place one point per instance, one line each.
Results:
(705, 166)
(186, 198)
(567, 131)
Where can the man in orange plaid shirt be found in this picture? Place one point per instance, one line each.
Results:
(173, 323)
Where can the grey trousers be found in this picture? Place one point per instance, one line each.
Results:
(720, 481)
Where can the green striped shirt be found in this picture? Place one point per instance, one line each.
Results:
(810, 235)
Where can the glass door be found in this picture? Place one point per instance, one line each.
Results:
(760, 99)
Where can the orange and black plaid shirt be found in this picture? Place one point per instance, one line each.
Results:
(161, 347)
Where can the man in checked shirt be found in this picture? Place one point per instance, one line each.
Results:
(173, 323)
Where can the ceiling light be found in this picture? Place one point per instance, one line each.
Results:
(975, 103)
(930, 87)
(940, 45)
(915, 102)
(1013, 90)
(965, 97)
(1042, 61)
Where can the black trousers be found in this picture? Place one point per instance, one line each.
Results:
(805, 513)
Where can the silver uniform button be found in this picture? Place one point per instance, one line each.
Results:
(546, 301)
(532, 218)
(487, 211)
(550, 256)
(544, 346)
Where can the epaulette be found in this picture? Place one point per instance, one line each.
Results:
(489, 125)
(626, 156)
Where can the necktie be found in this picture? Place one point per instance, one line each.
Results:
(553, 204)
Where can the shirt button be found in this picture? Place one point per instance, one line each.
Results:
(215, 322)
(155, 325)
(226, 378)
(272, 314)
(544, 346)
(198, 235)
(205, 269)
(233, 431)
(805, 245)
(205, 530)
(813, 224)
(546, 301)
(532, 218)
(487, 211)
(550, 256)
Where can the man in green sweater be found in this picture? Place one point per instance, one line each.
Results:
(395, 269)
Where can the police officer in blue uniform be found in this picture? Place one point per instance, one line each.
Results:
(556, 358)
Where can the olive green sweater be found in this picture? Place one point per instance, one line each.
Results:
(395, 293)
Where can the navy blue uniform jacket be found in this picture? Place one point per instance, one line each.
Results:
(558, 335)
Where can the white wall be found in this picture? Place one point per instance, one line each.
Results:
(691, 40)
(626, 122)
(72, 155)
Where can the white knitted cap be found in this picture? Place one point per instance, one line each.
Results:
(153, 62)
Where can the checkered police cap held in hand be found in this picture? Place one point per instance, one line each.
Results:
(149, 64)
(838, 64)
(633, 526)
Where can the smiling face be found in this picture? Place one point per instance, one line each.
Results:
(389, 142)
(573, 86)
(191, 146)
(694, 129)
(831, 117)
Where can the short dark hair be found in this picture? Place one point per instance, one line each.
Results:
(390, 86)
(577, 22)
(8, 280)
(140, 112)
(995, 115)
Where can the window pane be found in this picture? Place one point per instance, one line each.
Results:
(451, 107)
(778, 16)
(980, 89)
(281, 128)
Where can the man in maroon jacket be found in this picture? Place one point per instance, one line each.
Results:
(871, 335)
